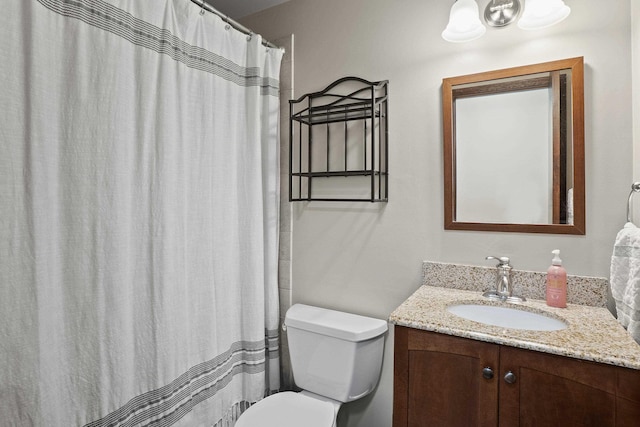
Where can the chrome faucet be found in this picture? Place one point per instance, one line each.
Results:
(503, 290)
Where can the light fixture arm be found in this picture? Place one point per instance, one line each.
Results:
(500, 13)
(496, 6)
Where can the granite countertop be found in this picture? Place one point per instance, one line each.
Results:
(592, 334)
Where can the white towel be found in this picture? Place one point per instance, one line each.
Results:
(625, 278)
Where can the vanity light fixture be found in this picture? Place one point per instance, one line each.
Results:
(464, 24)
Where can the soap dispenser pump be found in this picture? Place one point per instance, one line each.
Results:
(556, 282)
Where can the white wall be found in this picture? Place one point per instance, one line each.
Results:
(366, 258)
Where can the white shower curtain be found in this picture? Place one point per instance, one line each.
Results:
(138, 215)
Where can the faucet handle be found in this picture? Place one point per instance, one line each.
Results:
(502, 260)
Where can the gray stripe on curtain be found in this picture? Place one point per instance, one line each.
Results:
(272, 343)
(121, 23)
(197, 384)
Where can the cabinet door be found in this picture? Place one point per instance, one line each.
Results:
(439, 380)
(628, 398)
(548, 390)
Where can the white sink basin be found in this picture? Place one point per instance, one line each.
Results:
(506, 317)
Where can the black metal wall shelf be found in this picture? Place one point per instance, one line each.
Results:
(340, 132)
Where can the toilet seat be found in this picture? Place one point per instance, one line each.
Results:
(288, 409)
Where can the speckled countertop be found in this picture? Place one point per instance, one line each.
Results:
(592, 333)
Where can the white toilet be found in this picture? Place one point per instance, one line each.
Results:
(336, 357)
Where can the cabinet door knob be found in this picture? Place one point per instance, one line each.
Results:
(487, 373)
(510, 377)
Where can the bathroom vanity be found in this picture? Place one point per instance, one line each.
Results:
(450, 371)
(443, 380)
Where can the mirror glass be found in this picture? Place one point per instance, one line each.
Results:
(514, 149)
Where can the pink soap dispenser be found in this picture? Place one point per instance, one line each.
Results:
(556, 282)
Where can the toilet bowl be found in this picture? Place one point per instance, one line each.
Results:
(336, 358)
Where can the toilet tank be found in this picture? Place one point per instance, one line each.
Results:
(334, 354)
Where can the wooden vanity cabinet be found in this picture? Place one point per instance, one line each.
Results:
(442, 380)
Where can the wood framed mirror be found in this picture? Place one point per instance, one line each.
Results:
(514, 149)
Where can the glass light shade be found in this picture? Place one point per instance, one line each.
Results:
(542, 13)
(464, 22)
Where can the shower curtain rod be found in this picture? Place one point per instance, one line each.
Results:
(235, 24)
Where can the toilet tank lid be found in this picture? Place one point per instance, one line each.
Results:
(346, 326)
